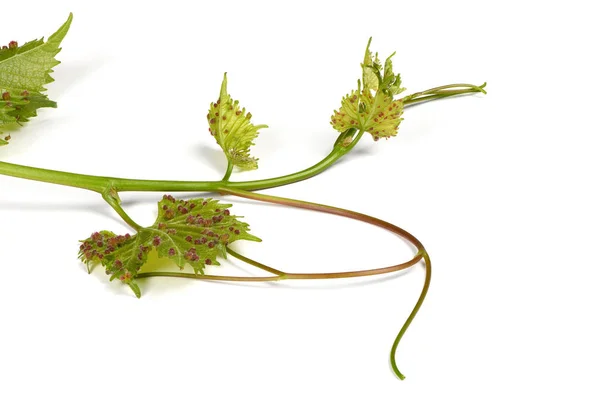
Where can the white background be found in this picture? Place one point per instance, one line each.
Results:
(499, 188)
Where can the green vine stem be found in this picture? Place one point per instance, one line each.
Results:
(101, 184)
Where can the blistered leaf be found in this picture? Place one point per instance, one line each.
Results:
(193, 232)
(377, 114)
(372, 108)
(24, 70)
(231, 127)
(18, 107)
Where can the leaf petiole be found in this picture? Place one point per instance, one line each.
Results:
(228, 172)
(111, 196)
(256, 263)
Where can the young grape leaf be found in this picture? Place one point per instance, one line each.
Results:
(372, 108)
(377, 114)
(232, 129)
(370, 67)
(391, 83)
(24, 70)
(193, 232)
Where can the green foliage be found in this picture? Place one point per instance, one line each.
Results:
(193, 232)
(371, 107)
(233, 130)
(24, 70)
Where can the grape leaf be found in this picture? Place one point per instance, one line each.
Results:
(372, 108)
(232, 129)
(28, 67)
(193, 232)
(377, 114)
(20, 107)
(24, 70)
